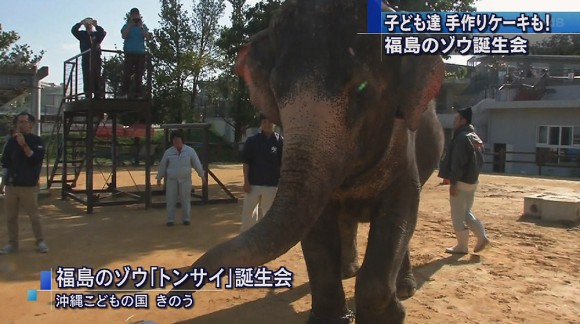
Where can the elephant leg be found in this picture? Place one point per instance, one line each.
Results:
(391, 228)
(348, 244)
(321, 248)
(406, 284)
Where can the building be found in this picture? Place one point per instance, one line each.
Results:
(528, 113)
(51, 97)
(50, 100)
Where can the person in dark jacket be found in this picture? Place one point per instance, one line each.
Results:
(460, 167)
(22, 158)
(262, 157)
(91, 61)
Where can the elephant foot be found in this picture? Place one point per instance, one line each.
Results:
(350, 270)
(393, 314)
(346, 319)
(406, 287)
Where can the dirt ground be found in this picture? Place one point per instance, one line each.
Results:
(531, 274)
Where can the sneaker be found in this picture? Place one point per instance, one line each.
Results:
(42, 247)
(169, 224)
(186, 223)
(9, 248)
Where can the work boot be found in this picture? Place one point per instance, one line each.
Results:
(482, 241)
(462, 243)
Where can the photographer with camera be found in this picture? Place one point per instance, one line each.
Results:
(134, 33)
(91, 61)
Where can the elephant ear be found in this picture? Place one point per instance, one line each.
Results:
(254, 64)
(421, 79)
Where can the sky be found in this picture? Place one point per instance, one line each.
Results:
(45, 24)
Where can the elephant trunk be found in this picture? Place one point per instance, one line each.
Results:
(307, 180)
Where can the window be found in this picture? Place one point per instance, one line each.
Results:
(559, 135)
(558, 145)
(566, 136)
(543, 135)
(554, 136)
(576, 140)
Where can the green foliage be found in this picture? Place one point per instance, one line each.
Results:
(183, 53)
(437, 5)
(246, 21)
(12, 53)
(113, 73)
(460, 73)
(559, 44)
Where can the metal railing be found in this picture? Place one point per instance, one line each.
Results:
(106, 70)
(540, 159)
(524, 88)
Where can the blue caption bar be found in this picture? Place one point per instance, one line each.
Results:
(374, 16)
(32, 295)
(473, 22)
(45, 280)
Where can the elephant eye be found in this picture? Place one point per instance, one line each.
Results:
(362, 86)
(359, 98)
(358, 103)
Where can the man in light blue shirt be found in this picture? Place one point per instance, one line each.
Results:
(175, 167)
(134, 33)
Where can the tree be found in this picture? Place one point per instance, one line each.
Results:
(435, 5)
(12, 53)
(112, 73)
(560, 44)
(172, 56)
(206, 14)
(246, 21)
(183, 52)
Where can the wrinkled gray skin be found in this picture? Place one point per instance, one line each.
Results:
(348, 150)
(428, 147)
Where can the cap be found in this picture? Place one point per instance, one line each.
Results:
(134, 10)
(466, 113)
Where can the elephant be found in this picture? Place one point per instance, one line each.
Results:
(428, 150)
(356, 126)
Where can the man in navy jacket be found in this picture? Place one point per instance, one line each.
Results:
(262, 157)
(91, 61)
(22, 159)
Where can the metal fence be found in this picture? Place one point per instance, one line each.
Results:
(106, 70)
(541, 159)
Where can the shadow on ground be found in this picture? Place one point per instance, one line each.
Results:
(273, 308)
(113, 234)
(553, 224)
(426, 271)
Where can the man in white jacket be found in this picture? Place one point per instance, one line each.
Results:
(175, 167)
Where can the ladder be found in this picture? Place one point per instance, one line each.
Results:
(75, 129)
